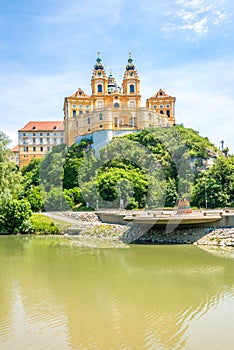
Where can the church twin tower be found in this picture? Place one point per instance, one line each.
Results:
(112, 110)
(106, 92)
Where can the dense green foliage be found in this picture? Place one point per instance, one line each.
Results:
(31, 185)
(72, 163)
(216, 184)
(15, 217)
(14, 212)
(153, 167)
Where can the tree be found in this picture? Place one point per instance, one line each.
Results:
(55, 200)
(15, 217)
(10, 178)
(72, 163)
(216, 184)
(51, 170)
(73, 197)
(14, 213)
(36, 198)
(31, 173)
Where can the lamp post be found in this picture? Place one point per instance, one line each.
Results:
(205, 195)
(222, 142)
(121, 204)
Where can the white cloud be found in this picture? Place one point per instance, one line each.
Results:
(196, 16)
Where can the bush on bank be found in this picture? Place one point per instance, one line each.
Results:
(15, 217)
(43, 225)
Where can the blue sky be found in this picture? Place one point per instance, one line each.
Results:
(48, 49)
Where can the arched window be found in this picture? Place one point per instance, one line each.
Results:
(161, 112)
(132, 88)
(74, 113)
(100, 116)
(99, 88)
(168, 113)
(100, 104)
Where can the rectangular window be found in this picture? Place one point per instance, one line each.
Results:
(88, 120)
(24, 134)
(34, 149)
(24, 142)
(61, 133)
(25, 149)
(48, 134)
(48, 140)
(34, 140)
(41, 140)
(41, 133)
(74, 113)
(61, 140)
(34, 134)
(48, 149)
(41, 149)
(55, 140)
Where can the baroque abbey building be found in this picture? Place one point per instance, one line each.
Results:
(112, 110)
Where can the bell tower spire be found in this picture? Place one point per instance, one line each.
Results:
(99, 83)
(131, 83)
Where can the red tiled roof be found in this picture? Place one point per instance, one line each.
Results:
(43, 126)
(15, 149)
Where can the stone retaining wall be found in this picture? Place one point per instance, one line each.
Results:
(205, 236)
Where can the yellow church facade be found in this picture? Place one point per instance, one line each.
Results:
(113, 108)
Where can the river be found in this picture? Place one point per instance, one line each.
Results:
(59, 296)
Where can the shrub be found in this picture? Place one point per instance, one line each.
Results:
(43, 225)
(15, 217)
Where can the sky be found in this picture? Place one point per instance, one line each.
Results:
(185, 47)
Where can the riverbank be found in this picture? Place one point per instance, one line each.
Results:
(86, 226)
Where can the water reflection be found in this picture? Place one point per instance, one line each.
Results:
(145, 297)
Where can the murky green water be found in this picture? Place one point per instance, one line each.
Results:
(145, 297)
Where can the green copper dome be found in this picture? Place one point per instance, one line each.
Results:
(130, 65)
(98, 64)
